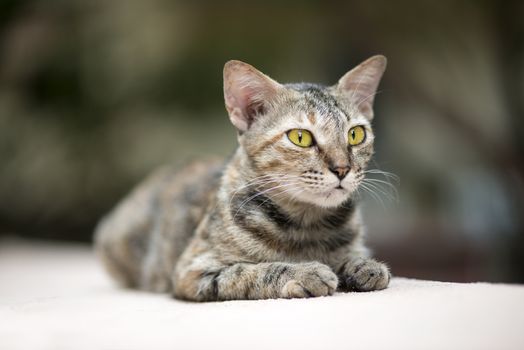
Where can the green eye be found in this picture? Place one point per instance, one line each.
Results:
(300, 137)
(356, 135)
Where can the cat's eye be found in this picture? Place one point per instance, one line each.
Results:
(356, 135)
(300, 137)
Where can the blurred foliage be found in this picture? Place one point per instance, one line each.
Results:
(94, 94)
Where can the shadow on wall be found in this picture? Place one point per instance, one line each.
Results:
(95, 94)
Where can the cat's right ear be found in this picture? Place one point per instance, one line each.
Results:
(360, 84)
(247, 93)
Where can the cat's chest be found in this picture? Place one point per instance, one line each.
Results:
(272, 244)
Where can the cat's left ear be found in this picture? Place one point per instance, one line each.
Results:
(247, 93)
(360, 84)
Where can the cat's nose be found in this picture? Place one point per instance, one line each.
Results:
(340, 171)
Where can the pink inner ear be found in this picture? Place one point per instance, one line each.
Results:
(246, 92)
(361, 90)
(239, 103)
(363, 95)
(361, 83)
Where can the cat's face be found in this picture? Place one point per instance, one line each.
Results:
(305, 142)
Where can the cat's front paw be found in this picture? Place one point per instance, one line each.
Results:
(310, 280)
(364, 275)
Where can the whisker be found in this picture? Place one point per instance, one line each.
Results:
(259, 194)
(373, 194)
(358, 195)
(381, 172)
(262, 180)
(390, 186)
(285, 191)
(384, 185)
(377, 188)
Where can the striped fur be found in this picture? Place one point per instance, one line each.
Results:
(274, 220)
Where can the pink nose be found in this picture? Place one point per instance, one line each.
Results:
(340, 171)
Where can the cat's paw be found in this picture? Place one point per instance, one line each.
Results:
(364, 275)
(310, 280)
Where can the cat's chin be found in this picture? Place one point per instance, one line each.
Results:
(328, 199)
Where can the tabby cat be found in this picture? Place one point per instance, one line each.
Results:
(279, 219)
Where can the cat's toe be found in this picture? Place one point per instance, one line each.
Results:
(293, 289)
(366, 276)
(311, 280)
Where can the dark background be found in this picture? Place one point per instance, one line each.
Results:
(94, 94)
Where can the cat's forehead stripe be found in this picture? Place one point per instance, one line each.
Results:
(326, 105)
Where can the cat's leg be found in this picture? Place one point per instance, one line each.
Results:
(363, 274)
(205, 279)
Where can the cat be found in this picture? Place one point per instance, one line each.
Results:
(279, 219)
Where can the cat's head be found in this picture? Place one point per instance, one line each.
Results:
(305, 142)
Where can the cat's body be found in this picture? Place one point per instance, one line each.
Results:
(279, 219)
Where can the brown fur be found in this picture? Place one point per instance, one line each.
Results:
(275, 220)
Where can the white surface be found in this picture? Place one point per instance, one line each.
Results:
(57, 297)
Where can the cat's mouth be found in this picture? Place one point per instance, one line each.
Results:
(335, 191)
(327, 198)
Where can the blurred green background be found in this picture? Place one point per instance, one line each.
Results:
(94, 94)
